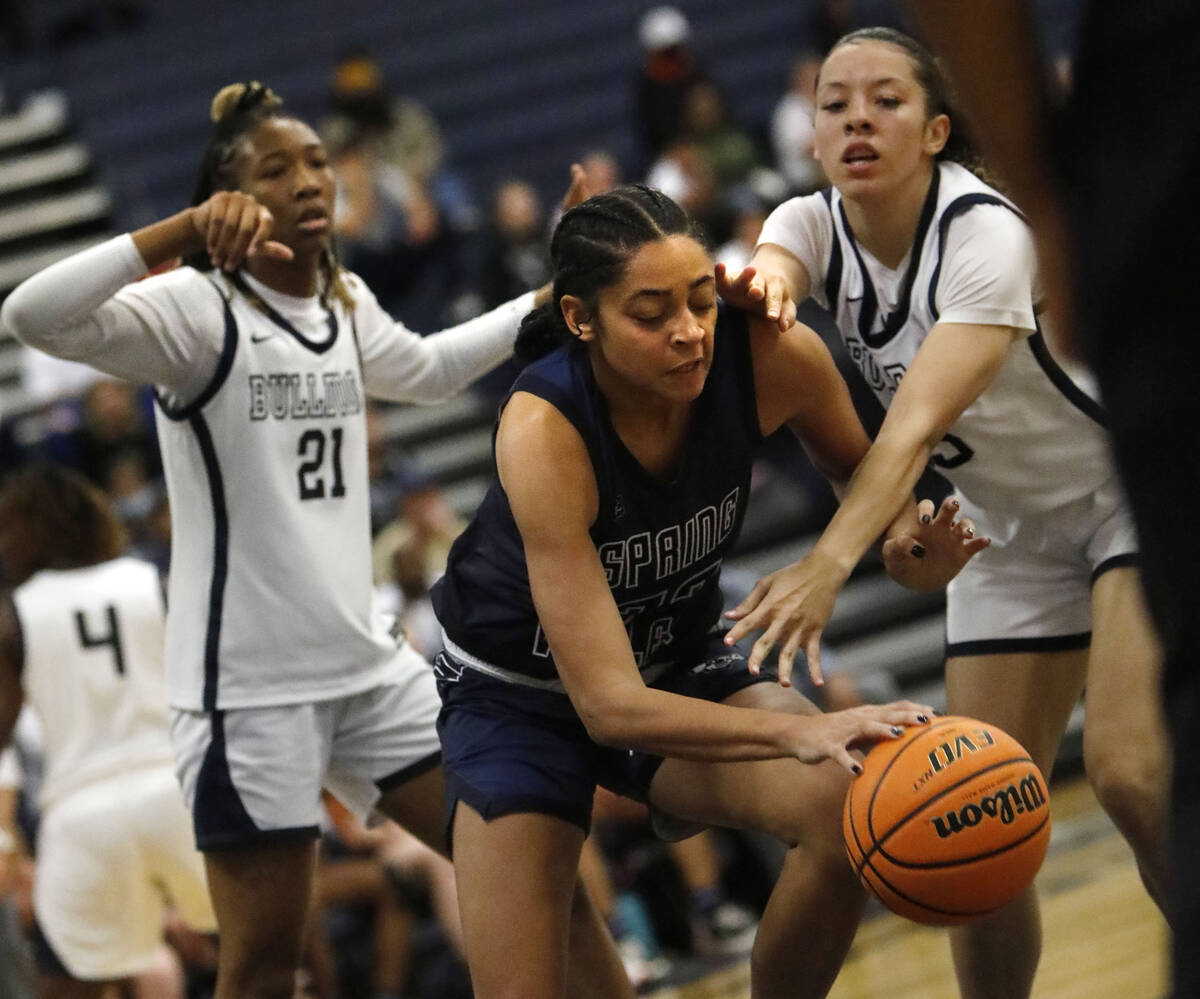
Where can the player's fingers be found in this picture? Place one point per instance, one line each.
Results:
(749, 602)
(812, 649)
(975, 545)
(787, 656)
(925, 511)
(965, 528)
(947, 511)
(787, 315)
(274, 249)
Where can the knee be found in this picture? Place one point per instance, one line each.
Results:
(1130, 781)
(814, 821)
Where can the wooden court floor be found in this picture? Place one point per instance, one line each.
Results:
(1104, 938)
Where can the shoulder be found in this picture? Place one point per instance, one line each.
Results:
(808, 214)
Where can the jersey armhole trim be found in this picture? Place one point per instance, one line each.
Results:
(224, 366)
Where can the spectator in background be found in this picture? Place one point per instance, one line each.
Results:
(730, 149)
(402, 214)
(749, 215)
(113, 445)
(514, 261)
(668, 72)
(381, 880)
(792, 128)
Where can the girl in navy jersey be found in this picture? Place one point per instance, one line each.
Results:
(282, 675)
(929, 273)
(581, 606)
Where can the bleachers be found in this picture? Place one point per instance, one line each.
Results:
(51, 204)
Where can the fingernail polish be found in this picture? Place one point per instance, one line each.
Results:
(857, 768)
(897, 730)
(918, 551)
(922, 718)
(926, 519)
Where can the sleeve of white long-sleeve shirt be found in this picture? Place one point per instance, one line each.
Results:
(166, 330)
(403, 366)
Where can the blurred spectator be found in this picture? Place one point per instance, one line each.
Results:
(684, 172)
(402, 214)
(516, 259)
(792, 128)
(735, 253)
(730, 149)
(113, 444)
(376, 886)
(423, 515)
(668, 72)
(406, 596)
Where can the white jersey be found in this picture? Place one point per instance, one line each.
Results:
(1034, 439)
(93, 651)
(264, 450)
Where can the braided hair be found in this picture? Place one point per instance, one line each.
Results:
(237, 112)
(589, 251)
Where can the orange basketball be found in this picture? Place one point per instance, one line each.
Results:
(947, 823)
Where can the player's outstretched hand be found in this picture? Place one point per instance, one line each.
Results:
(932, 554)
(235, 226)
(578, 191)
(834, 735)
(791, 607)
(762, 294)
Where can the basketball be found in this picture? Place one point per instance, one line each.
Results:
(949, 822)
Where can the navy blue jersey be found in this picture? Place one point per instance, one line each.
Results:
(661, 543)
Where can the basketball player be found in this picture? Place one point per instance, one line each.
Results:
(930, 275)
(81, 641)
(281, 676)
(580, 606)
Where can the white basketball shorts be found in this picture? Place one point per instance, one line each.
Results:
(110, 858)
(255, 775)
(1030, 589)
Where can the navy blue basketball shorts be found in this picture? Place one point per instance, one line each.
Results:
(509, 748)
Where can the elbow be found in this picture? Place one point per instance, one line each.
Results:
(606, 725)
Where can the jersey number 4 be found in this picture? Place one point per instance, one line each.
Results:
(311, 473)
(111, 638)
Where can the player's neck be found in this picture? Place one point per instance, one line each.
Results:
(298, 277)
(885, 224)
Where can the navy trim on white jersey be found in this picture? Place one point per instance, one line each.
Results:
(220, 820)
(224, 366)
(1130, 560)
(894, 322)
(273, 314)
(833, 275)
(1062, 381)
(220, 562)
(953, 210)
(995, 646)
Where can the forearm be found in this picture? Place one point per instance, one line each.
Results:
(655, 721)
(878, 498)
(47, 309)
(445, 363)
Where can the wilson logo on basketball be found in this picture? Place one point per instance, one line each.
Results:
(1005, 805)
